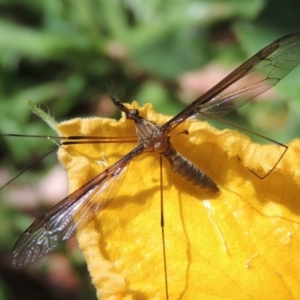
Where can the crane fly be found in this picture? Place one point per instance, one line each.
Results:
(258, 74)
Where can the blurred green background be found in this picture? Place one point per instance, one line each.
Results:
(61, 54)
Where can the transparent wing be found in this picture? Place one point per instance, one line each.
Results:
(258, 74)
(71, 214)
(265, 73)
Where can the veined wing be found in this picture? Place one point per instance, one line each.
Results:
(69, 215)
(258, 74)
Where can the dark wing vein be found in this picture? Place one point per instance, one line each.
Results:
(258, 74)
(72, 213)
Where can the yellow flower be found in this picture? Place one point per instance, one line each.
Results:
(240, 243)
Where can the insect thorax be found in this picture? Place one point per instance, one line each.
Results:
(151, 136)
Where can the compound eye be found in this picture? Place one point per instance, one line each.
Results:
(135, 112)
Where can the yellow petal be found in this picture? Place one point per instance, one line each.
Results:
(240, 243)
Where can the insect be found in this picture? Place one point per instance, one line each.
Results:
(255, 76)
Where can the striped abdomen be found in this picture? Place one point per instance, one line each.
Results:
(188, 171)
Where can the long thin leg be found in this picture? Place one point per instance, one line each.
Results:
(162, 224)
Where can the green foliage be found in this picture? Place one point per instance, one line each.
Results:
(61, 54)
